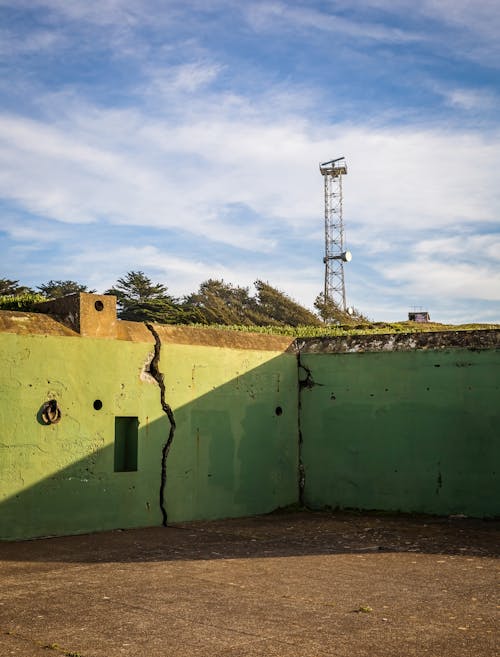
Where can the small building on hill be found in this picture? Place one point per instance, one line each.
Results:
(421, 316)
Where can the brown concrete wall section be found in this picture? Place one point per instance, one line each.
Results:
(24, 323)
(91, 315)
(211, 337)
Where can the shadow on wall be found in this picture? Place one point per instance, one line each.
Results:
(234, 453)
(413, 430)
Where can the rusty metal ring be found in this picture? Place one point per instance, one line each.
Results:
(51, 413)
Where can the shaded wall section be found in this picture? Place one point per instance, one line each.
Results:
(235, 450)
(100, 466)
(407, 423)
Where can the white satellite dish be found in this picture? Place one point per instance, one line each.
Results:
(345, 256)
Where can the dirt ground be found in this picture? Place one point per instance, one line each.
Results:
(287, 584)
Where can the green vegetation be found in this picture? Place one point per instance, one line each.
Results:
(141, 300)
(368, 328)
(24, 301)
(19, 297)
(9, 287)
(56, 289)
(331, 313)
(219, 304)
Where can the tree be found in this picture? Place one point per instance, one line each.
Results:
(219, 302)
(141, 300)
(9, 287)
(280, 308)
(331, 313)
(137, 287)
(56, 289)
(222, 303)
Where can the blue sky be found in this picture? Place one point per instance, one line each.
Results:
(183, 139)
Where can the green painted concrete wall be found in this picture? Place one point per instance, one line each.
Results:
(403, 430)
(231, 454)
(59, 479)
(410, 424)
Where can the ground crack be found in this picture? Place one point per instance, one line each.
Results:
(158, 377)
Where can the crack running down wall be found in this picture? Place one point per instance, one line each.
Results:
(388, 424)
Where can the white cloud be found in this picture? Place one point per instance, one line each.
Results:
(99, 12)
(36, 42)
(414, 179)
(21, 230)
(184, 274)
(130, 169)
(446, 280)
(473, 248)
(468, 99)
(468, 28)
(273, 15)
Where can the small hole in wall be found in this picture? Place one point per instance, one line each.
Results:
(278, 410)
(98, 305)
(98, 404)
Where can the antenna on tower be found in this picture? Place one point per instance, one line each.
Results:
(335, 255)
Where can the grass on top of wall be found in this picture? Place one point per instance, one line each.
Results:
(356, 329)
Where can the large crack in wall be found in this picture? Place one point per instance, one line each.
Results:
(158, 377)
(306, 383)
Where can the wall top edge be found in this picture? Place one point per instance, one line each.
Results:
(24, 323)
(27, 323)
(216, 337)
(387, 342)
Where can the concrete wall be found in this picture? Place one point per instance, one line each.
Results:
(231, 454)
(235, 450)
(403, 423)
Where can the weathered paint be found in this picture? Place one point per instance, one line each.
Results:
(403, 430)
(59, 478)
(231, 454)
(428, 340)
(386, 422)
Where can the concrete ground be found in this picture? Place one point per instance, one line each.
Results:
(287, 584)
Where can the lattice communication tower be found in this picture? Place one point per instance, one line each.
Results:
(335, 255)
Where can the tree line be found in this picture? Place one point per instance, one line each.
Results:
(215, 302)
